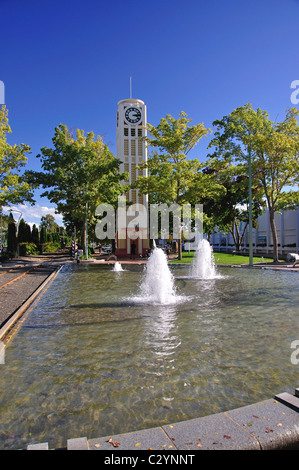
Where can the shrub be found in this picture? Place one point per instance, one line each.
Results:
(50, 247)
(26, 249)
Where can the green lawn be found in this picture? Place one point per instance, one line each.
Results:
(224, 258)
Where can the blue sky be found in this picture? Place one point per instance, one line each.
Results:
(70, 62)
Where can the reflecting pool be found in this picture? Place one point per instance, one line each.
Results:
(91, 360)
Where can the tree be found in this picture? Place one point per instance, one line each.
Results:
(43, 236)
(227, 209)
(48, 221)
(35, 235)
(22, 232)
(80, 173)
(12, 236)
(13, 187)
(274, 150)
(169, 170)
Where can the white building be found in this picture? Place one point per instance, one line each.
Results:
(287, 225)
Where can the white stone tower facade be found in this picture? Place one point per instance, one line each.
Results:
(132, 151)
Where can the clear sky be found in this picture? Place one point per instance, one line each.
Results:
(70, 62)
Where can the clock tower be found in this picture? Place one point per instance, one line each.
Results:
(132, 151)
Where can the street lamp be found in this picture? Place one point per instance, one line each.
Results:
(250, 209)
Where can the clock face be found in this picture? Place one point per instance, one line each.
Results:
(133, 115)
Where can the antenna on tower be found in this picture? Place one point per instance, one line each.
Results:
(130, 87)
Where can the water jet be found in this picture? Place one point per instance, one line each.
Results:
(203, 265)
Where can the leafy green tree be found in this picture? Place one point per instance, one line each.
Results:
(28, 234)
(227, 206)
(274, 150)
(35, 235)
(43, 236)
(79, 173)
(13, 187)
(48, 221)
(22, 232)
(170, 172)
(12, 236)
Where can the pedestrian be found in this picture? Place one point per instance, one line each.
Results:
(133, 249)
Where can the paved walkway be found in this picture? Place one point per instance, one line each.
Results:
(14, 294)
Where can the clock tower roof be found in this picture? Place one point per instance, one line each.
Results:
(131, 101)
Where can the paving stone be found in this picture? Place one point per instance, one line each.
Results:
(273, 424)
(289, 400)
(79, 443)
(215, 432)
(153, 438)
(39, 446)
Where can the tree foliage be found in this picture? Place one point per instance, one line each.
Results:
(274, 150)
(79, 173)
(170, 172)
(13, 187)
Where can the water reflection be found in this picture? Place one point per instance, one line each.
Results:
(160, 331)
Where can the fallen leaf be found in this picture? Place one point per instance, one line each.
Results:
(198, 445)
(137, 444)
(189, 443)
(268, 430)
(114, 443)
(97, 445)
(255, 416)
(278, 424)
(226, 436)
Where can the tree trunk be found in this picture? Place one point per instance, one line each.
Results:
(274, 235)
(180, 254)
(235, 237)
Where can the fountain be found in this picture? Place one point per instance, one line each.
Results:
(158, 284)
(117, 267)
(177, 361)
(203, 265)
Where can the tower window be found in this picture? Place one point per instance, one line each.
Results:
(126, 146)
(126, 165)
(133, 131)
(133, 147)
(134, 196)
(126, 131)
(140, 148)
(133, 172)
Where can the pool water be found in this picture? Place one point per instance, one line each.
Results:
(89, 360)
